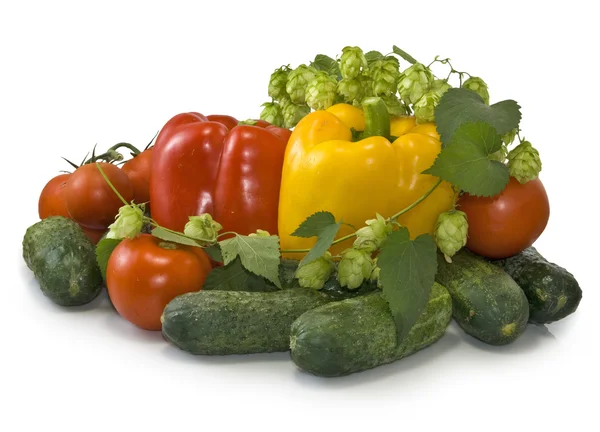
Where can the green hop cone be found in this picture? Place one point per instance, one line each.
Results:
(414, 82)
(440, 86)
(500, 155)
(321, 91)
(394, 105)
(451, 232)
(372, 236)
(260, 233)
(509, 137)
(375, 273)
(350, 90)
(278, 82)
(128, 223)
(385, 76)
(293, 113)
(202, 228)
(425, 107)
(524, 162)
(354, 267)
(316, 273)
(352, 61)
(272, 113)
(297, 81)
(479, 86)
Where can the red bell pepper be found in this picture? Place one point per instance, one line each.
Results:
(201, 166)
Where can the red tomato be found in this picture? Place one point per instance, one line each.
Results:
(93, 235)
(52, 202)
(138, 171)
(146, 273)
(90, 200)
(506, 224)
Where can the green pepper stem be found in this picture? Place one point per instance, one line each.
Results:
(377, 118)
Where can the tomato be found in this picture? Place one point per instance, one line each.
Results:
(90, 200)
(138, 171)
(93, 235)
(52, 202)
(506, 224)
(146, 273)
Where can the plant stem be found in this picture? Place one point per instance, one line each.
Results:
(131, 147)
(416, 203)
(111, 185)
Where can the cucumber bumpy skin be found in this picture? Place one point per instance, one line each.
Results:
(236, 322)
(63, 261)
(552, 291)
(487, 303)
(356, 334)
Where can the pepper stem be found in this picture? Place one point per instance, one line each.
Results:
(377, 118)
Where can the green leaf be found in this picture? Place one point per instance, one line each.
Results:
(404, 55)
(464, 162)
(173, 236)
(458, 106)
(214, 251)
(234, 277)
(321, 225)
(372, 56)
(259, 254)
(104, 249)
(314, 224)
(407, 274)
(326, 64)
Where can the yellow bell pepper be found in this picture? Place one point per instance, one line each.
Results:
(325, 171)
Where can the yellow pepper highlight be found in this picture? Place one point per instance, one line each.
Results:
(325, 171)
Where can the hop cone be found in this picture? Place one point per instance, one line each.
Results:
(414, 82)
(385, 75)
(479, 86)
(425, 107)
(350, 90)
(524, 162)
(354, 267)
(315, 274)
(351, 62)
(272, 113)
(451, 232)
(293, 113)
(297, 81)
(394, 105)
(321, 91)
(278, 82)
(440, 86)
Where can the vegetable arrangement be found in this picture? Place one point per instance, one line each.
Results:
(370, 203)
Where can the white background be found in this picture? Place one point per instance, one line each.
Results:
(80, 73)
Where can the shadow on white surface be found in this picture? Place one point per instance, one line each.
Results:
(173, 353)
(534, 336)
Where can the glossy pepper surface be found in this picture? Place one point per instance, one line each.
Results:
(324, 170)
(216, 165)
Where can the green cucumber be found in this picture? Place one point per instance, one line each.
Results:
(356, 334)
(552, 291)
(487, 303)
(63, 261)
(236, 322)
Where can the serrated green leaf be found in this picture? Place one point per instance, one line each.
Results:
(407, 274)
(314, 224)
(172, 236)
(325, 63)
(234, 277)
(324, 241)
(214, 251)
(104, 249)
(404, 55)
(372, 56)
(259, 254)
(458, 106)
(464, 162)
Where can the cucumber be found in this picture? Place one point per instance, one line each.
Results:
(552, 291)
(63, 261)
(356, 334)
(487, 303)
(236, 322)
